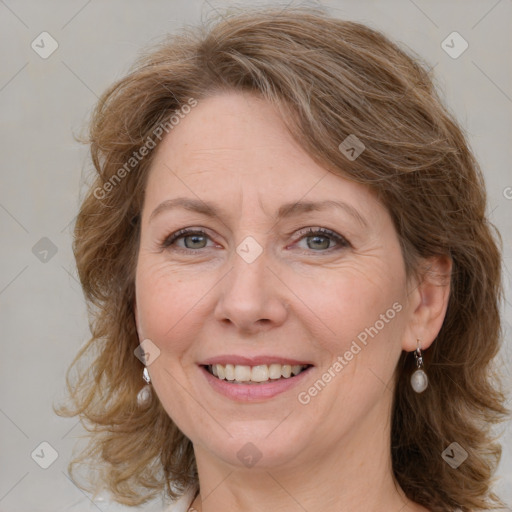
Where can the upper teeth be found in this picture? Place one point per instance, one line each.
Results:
(260, 373)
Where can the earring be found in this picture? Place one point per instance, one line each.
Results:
(144, 395)
(419, 379)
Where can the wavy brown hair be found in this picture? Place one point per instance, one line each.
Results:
(330, 78)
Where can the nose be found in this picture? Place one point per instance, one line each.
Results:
(251, 296)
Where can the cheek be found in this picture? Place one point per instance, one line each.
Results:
(363, 321)
(166, 300)
(349, 301)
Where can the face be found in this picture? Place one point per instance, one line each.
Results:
(237, 267)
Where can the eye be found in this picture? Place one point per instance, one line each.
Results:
(193, 239)
(318, 240)
(321, 239)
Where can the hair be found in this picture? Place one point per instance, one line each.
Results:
(329, 78)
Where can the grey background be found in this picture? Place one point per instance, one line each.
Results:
(43, 102)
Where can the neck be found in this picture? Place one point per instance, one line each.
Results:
(356, 476)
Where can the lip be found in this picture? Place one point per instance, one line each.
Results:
(253, 392)
(252, 361)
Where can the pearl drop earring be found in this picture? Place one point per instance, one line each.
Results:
(419, 379)
(144, 395)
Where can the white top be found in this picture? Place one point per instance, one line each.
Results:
(105, 504)
(183, 504)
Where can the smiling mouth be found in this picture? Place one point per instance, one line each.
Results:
(242, 374)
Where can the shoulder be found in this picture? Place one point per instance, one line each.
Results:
(105, 504)
(181, 505)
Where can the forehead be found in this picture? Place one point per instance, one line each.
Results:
(232, 129)
(235, 147)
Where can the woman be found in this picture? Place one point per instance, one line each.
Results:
(294, 288)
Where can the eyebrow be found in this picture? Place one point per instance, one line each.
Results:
(285, 211)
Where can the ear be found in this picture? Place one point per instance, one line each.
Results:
(428, 300)
(136, 316)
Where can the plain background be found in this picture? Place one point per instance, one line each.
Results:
(44, 102)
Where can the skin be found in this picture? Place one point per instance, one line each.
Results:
(304, 297)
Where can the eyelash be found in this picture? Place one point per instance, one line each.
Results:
(309, 232)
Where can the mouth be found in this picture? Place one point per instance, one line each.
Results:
(255, 375)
